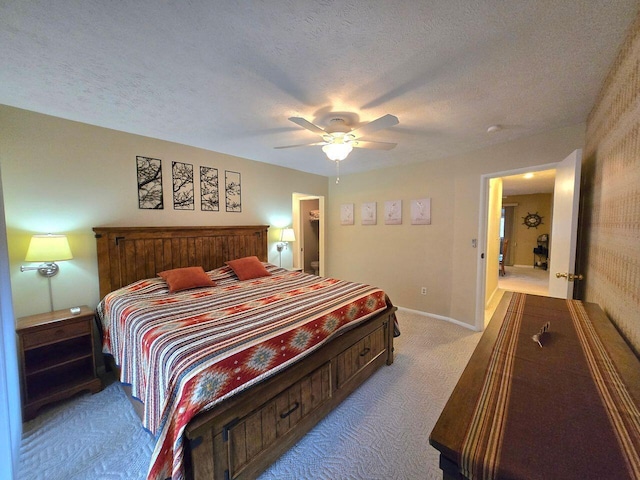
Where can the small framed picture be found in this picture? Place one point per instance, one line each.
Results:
(421, 211)
(346, 214)
(393, 212)
(369, 213)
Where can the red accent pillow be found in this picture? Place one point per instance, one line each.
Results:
(185, 278)
(248, 267)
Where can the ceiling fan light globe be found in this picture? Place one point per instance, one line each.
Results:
(337, 151)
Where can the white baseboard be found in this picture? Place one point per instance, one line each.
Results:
(439, 317)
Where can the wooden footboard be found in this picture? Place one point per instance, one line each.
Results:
(242, 436)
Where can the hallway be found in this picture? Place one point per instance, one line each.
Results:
(534, 281)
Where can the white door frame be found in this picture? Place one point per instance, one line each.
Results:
(482, 233)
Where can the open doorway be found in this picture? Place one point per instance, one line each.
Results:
(519, 216)
(310, 236)
(309, 226)
(560, 254)
(527, 212)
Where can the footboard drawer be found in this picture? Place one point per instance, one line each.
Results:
(359, 355)
(248, 437)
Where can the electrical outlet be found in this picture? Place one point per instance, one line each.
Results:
(423, 290)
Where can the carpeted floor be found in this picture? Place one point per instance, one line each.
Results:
(90, 437)
(534, 281)
(380, 432)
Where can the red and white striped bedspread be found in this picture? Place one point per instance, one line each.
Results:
(185, 352)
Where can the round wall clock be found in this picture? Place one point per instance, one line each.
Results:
(532, 220)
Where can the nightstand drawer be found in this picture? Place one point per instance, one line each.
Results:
(55, 334)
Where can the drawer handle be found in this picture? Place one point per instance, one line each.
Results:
(365, 351)
(290, 411)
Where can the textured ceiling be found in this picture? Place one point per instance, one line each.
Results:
(225, 75)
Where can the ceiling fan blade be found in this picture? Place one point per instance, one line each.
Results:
(373, 145)
(378, 124)
(307, 124)
(302, 145)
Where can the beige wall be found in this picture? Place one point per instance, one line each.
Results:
(63, 176)
(609, 243)
(525, 239)
(403, 258)
(67, 177)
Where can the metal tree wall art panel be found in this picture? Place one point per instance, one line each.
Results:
(232, 191)
(182, 186)
(209, 190)
(149, 172)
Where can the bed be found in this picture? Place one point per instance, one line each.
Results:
(236, 430)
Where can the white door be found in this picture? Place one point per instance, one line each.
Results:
(564, 230)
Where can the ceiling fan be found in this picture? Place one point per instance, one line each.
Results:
(339, 138)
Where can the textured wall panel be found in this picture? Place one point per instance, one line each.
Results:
(610, 225)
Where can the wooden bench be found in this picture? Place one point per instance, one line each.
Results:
(568, 409)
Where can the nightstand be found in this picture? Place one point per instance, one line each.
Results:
(57, 357)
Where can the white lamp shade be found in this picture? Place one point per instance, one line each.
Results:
(48, 248)
(288, 235)
(337, 151)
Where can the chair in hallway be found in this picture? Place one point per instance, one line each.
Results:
(503, 255)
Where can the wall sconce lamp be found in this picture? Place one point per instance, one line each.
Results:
(47, 249)
(287, 235)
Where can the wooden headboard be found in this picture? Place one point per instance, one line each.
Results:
(128, 254)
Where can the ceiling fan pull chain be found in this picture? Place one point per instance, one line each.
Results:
(337, 172)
